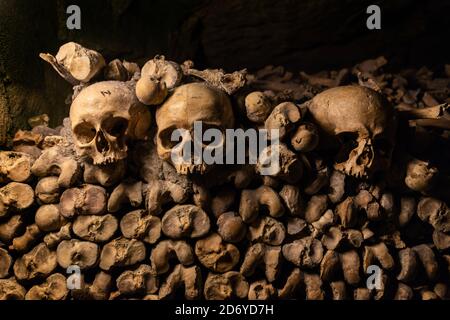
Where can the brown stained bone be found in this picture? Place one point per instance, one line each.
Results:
(38, 263)
(231, 227)
(292, 199)
(350, 264)
(338, 290)
(319, 174)
(324, 222)
(362, 294)
(288, 169)
(185, 221)
(15, 166)
(337, 186)
(297, 227)
(201, 196)
(306, 252)
(252, 201)
(47, 190)
(5, 263)
(283, 118)
(10, 289)
(258, 107)
(346, 211)
(313, 285)
(305, 138)
(228, 82)
(421, 176)
(215, 254)
(29, 238)
(441, 240)
(86, 200)
(315, 208)
(407, 210)
(435, 212)
(267, 230)
(404, 292)
(223, 201)
(105, 175)
(161, 192)
(48, 218)
(378, 253)
(292, 285)
(54, 238)
(83, 254)
(53, 288)
(10, 228)
(142, 280)
(95, 228)
(226, 286)
(15, 197)
(142, 226)
(58, 161)
(165, 250)
(188, 277)
(75, 63)
(158, 77)
(99, 289)
(121, 252)
(329, 265)
(262, 256)
(428, 260)
(28, 142)
(333, 238)
(128, 192)
(261, 290)
(434, 112)
(115, 70)
(409, 265)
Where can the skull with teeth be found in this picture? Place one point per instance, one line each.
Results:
(105, 116)
(190, 105)
(364, 124)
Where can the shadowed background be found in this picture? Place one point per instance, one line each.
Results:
(309, 35)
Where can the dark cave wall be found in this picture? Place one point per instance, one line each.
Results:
(232, 34)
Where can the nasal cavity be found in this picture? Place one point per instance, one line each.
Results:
(101, 142)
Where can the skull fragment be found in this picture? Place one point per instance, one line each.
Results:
(189, 104)
(363, 122)
(105, 116)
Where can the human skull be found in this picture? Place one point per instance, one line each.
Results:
(363, 122)
(105, 116)
(191, 103)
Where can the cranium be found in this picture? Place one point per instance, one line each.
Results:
(191, 103)
(104, 117)
(363, 122)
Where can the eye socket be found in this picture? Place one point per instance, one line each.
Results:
(348, 141)
(165, 138)
(115, 126)
(382, 146)
(85, 132)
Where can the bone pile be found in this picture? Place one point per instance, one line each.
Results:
(364, 182)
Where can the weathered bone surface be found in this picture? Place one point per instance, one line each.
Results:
(363, 121)
(105, 116)
(101, 192)
(190, 103)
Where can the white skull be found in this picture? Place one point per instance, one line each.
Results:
(364, 123)
(188, 104)
(105, 116)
